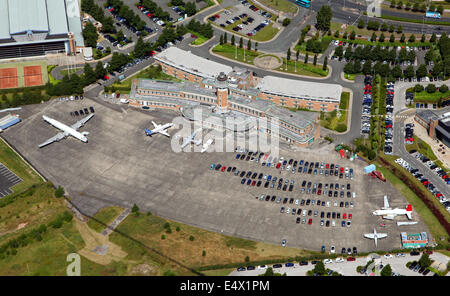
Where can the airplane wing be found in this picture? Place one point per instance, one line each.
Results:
(59, 136)
(369, 235)
(197, 142)
(389, 217)
(164, 133)
(381, 235)
(81, 122)
(386, 202)
(154, 124)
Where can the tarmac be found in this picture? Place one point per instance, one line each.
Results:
(121, 166)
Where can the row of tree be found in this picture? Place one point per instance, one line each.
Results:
(416, 7)
(205, 30)
(430, 88)
(375, 54)
(375, 26)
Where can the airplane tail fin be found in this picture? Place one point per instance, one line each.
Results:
(409, 208)
(148, 132)
(409, 215)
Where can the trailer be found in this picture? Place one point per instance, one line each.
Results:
(8, 120)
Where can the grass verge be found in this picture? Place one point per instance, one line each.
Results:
(105, 215)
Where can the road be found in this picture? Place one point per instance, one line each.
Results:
(346, 268)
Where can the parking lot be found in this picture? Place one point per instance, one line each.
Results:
(121, 166)
(242, 19)
(7, 180)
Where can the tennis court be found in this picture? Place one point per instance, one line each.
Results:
(32, 75)
(23, 74)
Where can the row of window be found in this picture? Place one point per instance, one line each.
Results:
(327, 100)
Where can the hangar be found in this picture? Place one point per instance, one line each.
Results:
(36, 27)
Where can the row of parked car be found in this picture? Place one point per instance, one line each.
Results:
(152, 16)
(416, 173)
(366, 105)
(84, 111)
(70, 98)
(409, 133)
(388, 128)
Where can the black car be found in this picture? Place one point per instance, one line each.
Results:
(242, 174)
(81, 112)
(297, 220)
(248, 174)
(285, 200)
(343, 251)
(302, 263)
(76, 113)
(355, 251)
(241, 268)
(277, 266)
(250, 268)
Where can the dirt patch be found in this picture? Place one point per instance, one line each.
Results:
(93, 241)
(267, 62)
(144, 269)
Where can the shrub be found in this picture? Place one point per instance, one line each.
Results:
(191, 238)
(163, 236)
(443, 88)
(431, 88)
(59, 192)
(286, 22)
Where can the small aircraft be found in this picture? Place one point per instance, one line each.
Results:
(159, 128)
(191, 139)
(66, 130)
(375, 236)
(387, 213)
(206, 145)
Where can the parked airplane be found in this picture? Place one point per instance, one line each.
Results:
(191, 139)
(375, 236)
(206, 145)
(159, 128)
(67, 130)
(387, 213)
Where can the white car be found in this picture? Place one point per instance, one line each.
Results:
(296, 202)
(335, 203)
(388, 256)
(354, 194)
(332, 249)
(326, 261)
(328, 204)
(399, 160)
(333, 223)
(400, 255)
(339, 260)
(262, 267)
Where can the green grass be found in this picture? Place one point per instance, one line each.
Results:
(437, 230)
(280, 5)
(219, 272)
(230, 51)
(410, 20)
(301, 68)
(200, 38)
(433, 98)
(20, 73)
(50, 77)
(332, 121)
(105, 215)
(70, 71)
(350, 76)
(324, 43)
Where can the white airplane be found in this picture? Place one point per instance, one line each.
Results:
(375, 236)
(191, 139)
(159, 128)
(387, 213)
(206, 145)
(67, 130)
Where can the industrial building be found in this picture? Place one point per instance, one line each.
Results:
(36, 27)
(437, 123)
(291, 93)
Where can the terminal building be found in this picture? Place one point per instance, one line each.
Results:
(438, 126)
(36, 27)
(218, 100)
(291, 93)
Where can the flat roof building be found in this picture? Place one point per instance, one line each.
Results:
(34, 27)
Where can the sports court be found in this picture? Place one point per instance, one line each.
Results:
(23, 74)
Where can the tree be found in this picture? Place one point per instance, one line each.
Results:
(90, 35)
(381, 39)
(440, 9)
(421, 71)
(424, 260)
(306, 58)
(315, 60)
(89, 75)
(336, 34)
(135, 208)
(409, 72)
(423, 38)
(323, 18)
(431, 88)
(286, 22)
(241, 43)
(402, 38)
(399, 4)
(339, 51)
(412, 38)
(384, 27)
(432, 7)
(352, 35)
(423, 7)
(120, 36)
(59, 192)
(399, 29)
(319, 268)
(288, 54)
(225, 41)
(345, 36)
(391, 28)
(408, 6)
(100, 72)
(256, 46)
(433, 38)
(108, 25)
(386, 271)
(190, 9)
(392, 4)
(418, 88)
(297, 54)
(443, 88)
(325, 63)
(374, 37)
(221, 40)
(141, 48)
(415, 7)
(249, 44)
(361, 24)
(232, 40)
(348, 68)
(269, 272)
(367, 68)
(392, 38)
(357, 67)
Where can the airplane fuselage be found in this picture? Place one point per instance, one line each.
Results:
(66, 129)
(388, 214)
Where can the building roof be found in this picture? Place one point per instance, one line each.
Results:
(25, 15)
(4, 20)
(299, 119)
(57, 21)
(74, 20)
(426, 115)
(298, 88)
(191, 63)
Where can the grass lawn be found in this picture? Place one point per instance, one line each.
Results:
(218, 249)
(106, 215)
(280, 5)
(50, 77)
(199, 40)
(437, 230)
(433, 98)
(331, 121)
(301, 68)
(70, 71)
(350, 76)
(324, 43)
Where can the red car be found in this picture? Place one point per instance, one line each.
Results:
(351, 259)
(266, 156)
(249, 34)
(253, 183)
(224, 168)
(310, 221)
(429, 252)
(342, 169)
(327, 166)
(217, 16)
(438, 195)
(106, 77)
(426, 183)
(444, 177)
(349, 216)
(193, 36)
(278, 165)
(151, 53)
(344, 216)
(319, 192)
(140, 6)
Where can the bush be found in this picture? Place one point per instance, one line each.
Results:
(418, 88)
(59, 192)
(341, 127)
(286, 22)
(443, 88)
(191, 238)
(163, 236)
(431, 88)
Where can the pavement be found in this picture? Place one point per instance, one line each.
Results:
(348, 268)
(7, 180)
